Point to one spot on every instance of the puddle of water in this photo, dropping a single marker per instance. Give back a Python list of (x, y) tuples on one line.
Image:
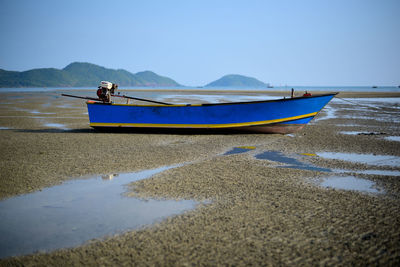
[(46, 105), (375, 101), (339, 182), (369, 172), (377, 160), (351, 125), (279, 157), (65, 105), (56, 125), (362, 133), (43, 113), (76, 211), (380, 172), (362, 105), (350, 132), (247, 147), (350, 183), (33, 111), (240, 149), (377, 117), (328, 113), (393, 138), (4, 128), (292, 162)]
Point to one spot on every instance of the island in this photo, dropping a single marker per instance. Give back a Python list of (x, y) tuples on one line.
[(81, 74), (235, 80)]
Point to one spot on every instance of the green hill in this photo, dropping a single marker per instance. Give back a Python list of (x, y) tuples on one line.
[(234, 80), (35, 78), (79, 74), (149, 78)]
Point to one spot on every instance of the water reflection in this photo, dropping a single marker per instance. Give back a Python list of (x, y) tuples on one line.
[(76, 211), (338, 182), (239, 150), (290, 162), (109, 176)]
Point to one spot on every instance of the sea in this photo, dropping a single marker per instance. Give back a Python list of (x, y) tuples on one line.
[(195, 95)]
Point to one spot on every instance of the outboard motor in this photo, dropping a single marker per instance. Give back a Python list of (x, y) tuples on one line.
[(106, 90)]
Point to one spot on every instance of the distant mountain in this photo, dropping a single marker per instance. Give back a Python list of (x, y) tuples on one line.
[(149, 78), (35, 78), (80, 74), (234, 80)]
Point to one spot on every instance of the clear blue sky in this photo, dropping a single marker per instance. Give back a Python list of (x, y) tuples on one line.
[(304, 42)]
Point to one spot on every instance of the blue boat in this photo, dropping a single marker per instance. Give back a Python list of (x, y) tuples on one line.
[(286, 115)]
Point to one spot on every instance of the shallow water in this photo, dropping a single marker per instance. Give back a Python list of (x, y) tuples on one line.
[(56, 125), (291, 162), (369, 159), (78, 210), (238, 150), (361, 133), (339, 182), (33, 111), (393, 138), (349, 183), (328, 112), (362, 108), (369, 172)]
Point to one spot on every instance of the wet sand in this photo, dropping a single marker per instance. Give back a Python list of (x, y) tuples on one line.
[(257, 213)]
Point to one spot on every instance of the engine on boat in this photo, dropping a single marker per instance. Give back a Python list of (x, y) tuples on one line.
[(106, 90)]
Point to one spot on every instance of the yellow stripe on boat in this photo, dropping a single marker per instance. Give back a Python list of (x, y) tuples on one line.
[(225, 125)]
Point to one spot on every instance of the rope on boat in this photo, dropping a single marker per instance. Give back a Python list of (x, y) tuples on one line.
[(357, 104)]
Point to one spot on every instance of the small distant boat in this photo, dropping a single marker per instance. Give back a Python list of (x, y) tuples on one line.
[(286, 115), (374, 86)]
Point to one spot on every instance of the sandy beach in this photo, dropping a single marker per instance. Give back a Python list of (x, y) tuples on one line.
[(253, 210)]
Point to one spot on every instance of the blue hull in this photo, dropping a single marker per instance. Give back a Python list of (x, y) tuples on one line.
[(270, 116)]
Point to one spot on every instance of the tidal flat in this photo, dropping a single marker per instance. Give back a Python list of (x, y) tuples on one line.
[(259, 211)]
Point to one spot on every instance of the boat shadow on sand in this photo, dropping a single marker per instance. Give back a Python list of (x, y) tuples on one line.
[(167, 131)]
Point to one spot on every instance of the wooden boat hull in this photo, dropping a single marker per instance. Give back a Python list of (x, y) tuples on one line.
[(275, 128), (269, 116)]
